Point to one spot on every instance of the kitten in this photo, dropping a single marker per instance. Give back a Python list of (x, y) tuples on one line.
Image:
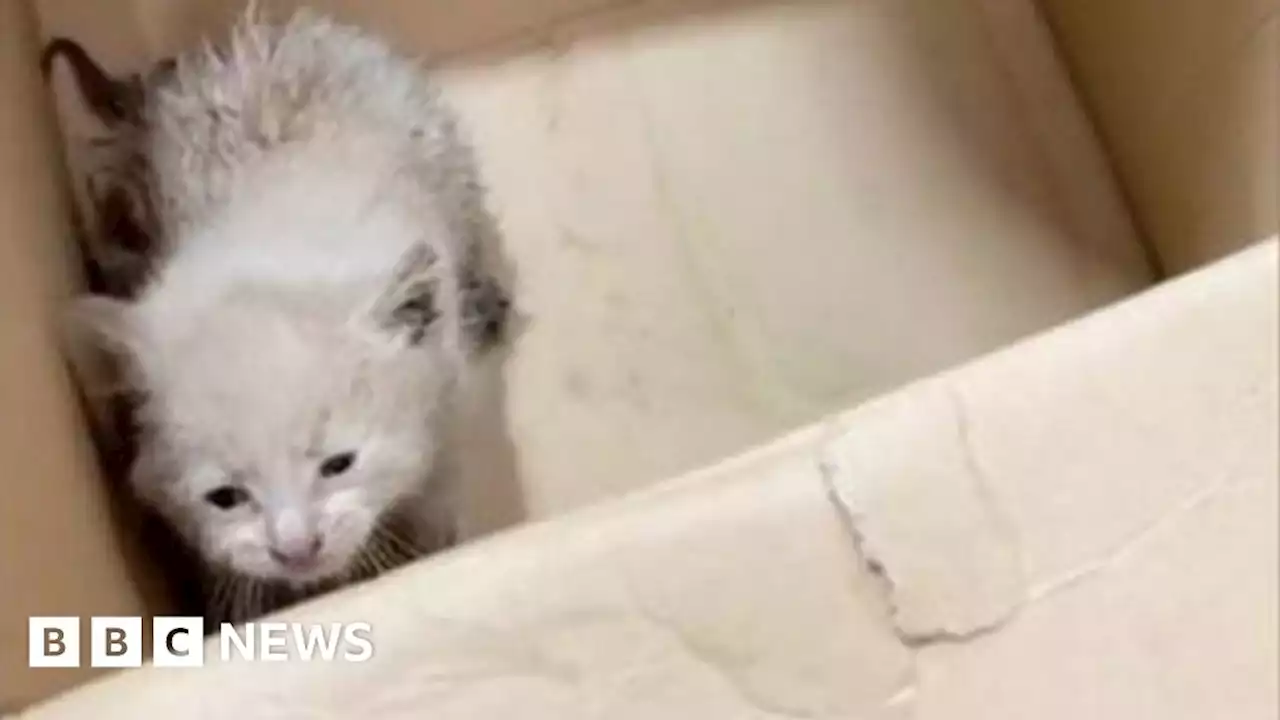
[(313, 308)]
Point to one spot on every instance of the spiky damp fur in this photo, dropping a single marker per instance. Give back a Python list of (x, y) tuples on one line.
[(316, 291)]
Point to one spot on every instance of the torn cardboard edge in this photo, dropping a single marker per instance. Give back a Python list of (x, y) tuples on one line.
[(927, 525), (931, 527)]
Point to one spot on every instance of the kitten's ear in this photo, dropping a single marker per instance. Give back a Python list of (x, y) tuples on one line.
[(407, 306)]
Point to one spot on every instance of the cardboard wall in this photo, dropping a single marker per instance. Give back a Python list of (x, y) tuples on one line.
[(1186, 94), (59, 549)]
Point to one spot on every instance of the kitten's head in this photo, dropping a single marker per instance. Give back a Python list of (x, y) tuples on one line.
[(277, 429)]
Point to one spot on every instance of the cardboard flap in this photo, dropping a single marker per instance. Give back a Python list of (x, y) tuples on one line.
[(1009, 540)]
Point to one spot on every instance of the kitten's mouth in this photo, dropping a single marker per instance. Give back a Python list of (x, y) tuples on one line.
[(320, 570), (307, 575)]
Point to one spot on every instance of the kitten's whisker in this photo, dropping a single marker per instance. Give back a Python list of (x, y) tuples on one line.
[(386, 539), (404, 545), (248, 611), (211, 588), (369, 560), (220, 596), (358, 566), (378, 554), (353, 568), (244, 600), (258, 597), (239, 589), (373, 550), (377, 558), (392, 550)]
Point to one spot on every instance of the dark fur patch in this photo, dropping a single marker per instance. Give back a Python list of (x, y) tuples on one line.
[(119, 247), (486, 310)]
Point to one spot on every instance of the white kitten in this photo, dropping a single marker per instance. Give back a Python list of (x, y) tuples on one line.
[(302, 339)]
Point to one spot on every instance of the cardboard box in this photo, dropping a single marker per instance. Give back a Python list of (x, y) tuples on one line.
[(886, 358)]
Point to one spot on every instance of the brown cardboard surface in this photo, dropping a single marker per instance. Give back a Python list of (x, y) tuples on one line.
[(1186, 94), (58, 553), (1082, 525)]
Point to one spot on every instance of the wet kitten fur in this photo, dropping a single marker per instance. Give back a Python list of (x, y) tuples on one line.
[(317, 291), (112, 233)]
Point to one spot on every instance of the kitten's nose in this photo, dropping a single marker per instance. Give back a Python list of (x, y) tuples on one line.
[(297, 552)]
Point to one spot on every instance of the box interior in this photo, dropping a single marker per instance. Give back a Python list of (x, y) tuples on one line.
[(728, 218)]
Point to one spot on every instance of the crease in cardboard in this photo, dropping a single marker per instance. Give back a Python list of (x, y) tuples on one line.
[(717, 666), (1176, 516)]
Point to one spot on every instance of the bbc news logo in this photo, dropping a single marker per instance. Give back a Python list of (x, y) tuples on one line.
[(117, 642)]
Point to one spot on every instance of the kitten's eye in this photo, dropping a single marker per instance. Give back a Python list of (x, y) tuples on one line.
[(227, 497), (337, 464)]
